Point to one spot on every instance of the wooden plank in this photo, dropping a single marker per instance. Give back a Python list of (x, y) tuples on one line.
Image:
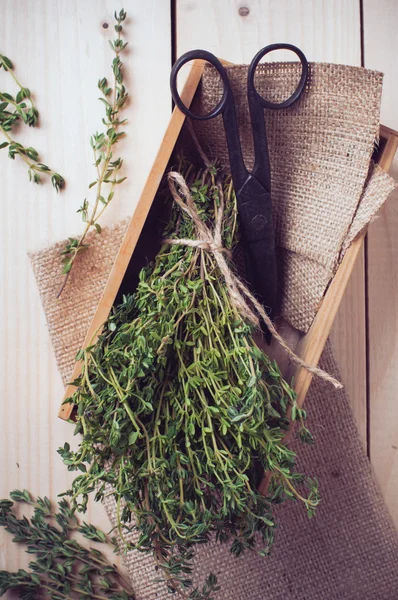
[(60, 50), (348, 337), (325, 31), (380, 22), (311, 345)]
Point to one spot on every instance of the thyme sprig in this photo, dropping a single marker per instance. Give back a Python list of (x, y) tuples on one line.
[(107, 167), (61, 567), (182, 413), (13, 110)]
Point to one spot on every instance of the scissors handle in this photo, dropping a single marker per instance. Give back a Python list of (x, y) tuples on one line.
[(253, 190), (300, 86), (213, 60), (261, 167), (226, 107)]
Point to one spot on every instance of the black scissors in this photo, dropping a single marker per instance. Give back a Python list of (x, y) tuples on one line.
[(253, 189)]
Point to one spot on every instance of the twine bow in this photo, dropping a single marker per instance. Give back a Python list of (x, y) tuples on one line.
[(210, 240)]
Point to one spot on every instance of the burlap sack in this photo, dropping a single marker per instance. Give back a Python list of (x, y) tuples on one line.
[(320, 150), (350, 549)]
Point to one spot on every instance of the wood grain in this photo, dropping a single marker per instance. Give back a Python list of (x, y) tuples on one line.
[(60, 50), (325, 31), (348, 337), (380, 24)]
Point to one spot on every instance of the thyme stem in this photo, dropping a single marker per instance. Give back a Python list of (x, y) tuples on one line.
[(107, 167), (29, 116)]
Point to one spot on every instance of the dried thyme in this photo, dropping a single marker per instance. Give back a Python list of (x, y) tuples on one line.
[(14, 110), (107, 166), (61, 567), (181, 412)]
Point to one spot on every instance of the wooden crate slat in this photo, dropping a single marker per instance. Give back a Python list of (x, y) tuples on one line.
[(136, 224)]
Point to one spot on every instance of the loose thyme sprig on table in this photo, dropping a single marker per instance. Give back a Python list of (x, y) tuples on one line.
[(181, 412), (14, 110), (102, 144), (62, 567)]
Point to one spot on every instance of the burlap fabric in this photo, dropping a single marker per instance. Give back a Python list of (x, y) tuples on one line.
[(69, 316), (350, 549), (320, 150)]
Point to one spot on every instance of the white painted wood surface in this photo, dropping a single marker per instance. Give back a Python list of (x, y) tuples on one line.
[(380, 23), (60, 50), (325, 31)]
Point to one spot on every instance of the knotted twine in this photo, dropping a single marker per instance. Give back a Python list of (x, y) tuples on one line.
[(210, 240)]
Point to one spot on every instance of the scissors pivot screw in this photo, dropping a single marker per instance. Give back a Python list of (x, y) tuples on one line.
[(259, 222)]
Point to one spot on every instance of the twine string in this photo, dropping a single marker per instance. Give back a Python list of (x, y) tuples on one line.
[(242, 299)]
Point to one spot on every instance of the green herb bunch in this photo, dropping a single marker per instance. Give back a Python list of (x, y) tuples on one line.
[(61, 567), (13, 111), (181, 412), (107, 166)]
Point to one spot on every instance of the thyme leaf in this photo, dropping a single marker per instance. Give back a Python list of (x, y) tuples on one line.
[(13, 110)]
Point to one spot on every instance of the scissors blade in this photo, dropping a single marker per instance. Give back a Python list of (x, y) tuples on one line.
[(256, 225)]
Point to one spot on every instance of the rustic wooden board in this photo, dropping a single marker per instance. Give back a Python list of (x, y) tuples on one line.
[(380, 24), (325, 31)]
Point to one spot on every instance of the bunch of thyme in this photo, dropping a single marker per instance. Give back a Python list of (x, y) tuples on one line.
[(106, 165), (62, 567), (181, 412), (14, 110)]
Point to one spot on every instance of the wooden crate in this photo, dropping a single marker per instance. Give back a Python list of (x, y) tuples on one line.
[(309, 346)]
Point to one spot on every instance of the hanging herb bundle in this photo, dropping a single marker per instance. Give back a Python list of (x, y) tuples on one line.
[(13, 111), (102, 144), (180, 411), (62, 568)]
